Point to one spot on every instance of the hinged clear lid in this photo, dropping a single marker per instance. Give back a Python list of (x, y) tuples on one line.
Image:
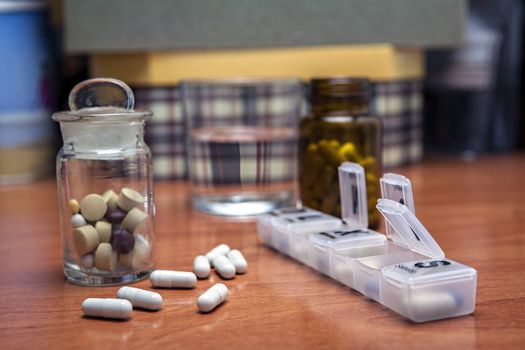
[(408, 230), (352, 186), (399, 189)]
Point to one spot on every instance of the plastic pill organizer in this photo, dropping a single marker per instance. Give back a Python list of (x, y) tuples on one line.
[(405, 270)]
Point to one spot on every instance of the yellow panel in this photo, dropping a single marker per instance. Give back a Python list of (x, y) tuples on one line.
[(379, 62)]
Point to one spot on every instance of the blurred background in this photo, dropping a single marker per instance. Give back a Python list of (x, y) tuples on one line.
[(446, 76)]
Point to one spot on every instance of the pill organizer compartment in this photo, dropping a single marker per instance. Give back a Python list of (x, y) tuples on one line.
[(412, 239), (322, 244), (354, 232), (264, 222), (343, 256), (426, 290), (290, 234)]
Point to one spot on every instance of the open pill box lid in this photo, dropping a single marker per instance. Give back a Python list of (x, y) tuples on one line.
[(408, 230), (352, 187), (399, 189)]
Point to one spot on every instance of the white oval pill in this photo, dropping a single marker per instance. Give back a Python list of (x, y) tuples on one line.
[(78, 220), (238, 260), (87, 261), (221, 249), (201, 266), (224, 267), (107, 308), (430, 305), (212, 297), (140, 298), (173, 279)]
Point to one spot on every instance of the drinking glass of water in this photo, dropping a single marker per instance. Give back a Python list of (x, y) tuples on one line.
[(242, 144)]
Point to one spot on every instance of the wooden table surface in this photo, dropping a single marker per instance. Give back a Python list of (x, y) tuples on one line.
[(475, 211)]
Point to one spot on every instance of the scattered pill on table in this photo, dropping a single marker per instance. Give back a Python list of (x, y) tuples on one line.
[(141, 298), (173, 279), (78, 220), (221, 249), (85, 239), (93, 207), (224, 267), (238, 260), (212, 297), (74, 206), (107, 308), (201, 266)]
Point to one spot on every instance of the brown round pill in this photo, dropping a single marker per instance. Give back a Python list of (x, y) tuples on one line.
[(104, 230), (129, 199), (93, 207), (134, 218), (105, 257), (122, 241), (116, 215), (85, 239)]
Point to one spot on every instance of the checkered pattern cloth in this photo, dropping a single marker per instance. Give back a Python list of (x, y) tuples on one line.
[(397, 103)]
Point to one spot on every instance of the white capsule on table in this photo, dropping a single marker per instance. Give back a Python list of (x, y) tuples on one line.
[(212, 297), (237, 260), (224, 267), (78, 220), (201, 266), (107, 308), (173, 279), (140, 298), (221, 249)]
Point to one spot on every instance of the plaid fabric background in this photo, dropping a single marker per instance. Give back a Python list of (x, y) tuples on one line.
[(165, 132), (398, 103)]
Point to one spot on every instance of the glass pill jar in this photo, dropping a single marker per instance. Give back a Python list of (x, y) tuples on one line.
[(339, 128), (105, 189)]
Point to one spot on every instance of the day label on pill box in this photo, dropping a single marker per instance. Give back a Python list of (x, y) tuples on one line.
[(305, 218), (339, 234), (287, 211), (423, 267)]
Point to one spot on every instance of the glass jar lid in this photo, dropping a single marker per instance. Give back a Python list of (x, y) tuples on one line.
[(101, 100)]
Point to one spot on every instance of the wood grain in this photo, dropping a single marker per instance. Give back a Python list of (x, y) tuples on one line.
[(474, 210)]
